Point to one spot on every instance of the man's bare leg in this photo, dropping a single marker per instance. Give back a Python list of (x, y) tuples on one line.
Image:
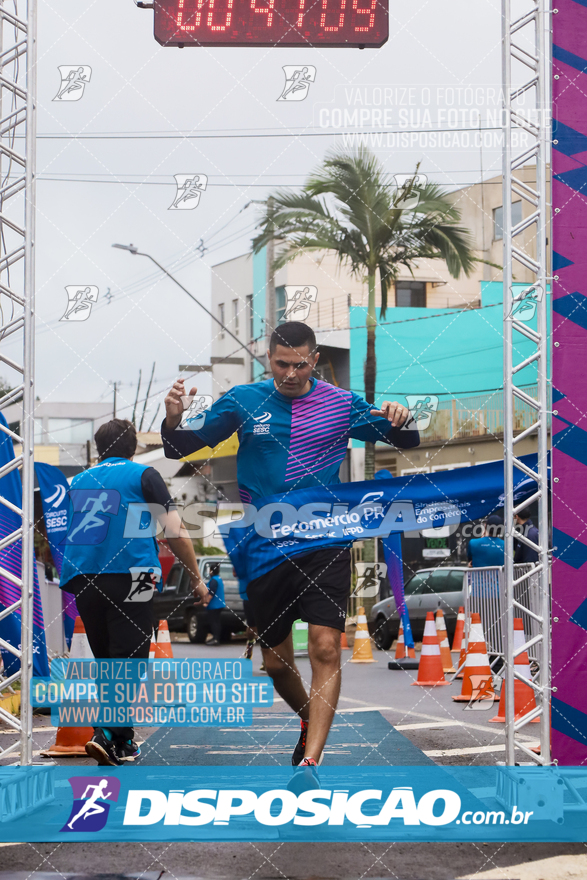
[(280, 665), (324, 651)]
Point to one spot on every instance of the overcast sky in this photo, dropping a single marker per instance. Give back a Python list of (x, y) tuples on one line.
[(139, 87)]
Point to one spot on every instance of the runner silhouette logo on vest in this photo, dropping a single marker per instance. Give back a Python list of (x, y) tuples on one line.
[(144, 582), (92, 509)]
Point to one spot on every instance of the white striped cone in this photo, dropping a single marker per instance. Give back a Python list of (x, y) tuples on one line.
[(362, 652), (430, 673), (80, 647), (163, 647), (524, 698), (457, 642), (70, 742), (477, 665), (400, 651), (443, 640)]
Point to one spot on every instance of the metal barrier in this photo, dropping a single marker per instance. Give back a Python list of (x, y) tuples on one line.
[(484, 594)]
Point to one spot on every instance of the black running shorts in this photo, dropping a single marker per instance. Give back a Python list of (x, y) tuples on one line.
[(314, 587)]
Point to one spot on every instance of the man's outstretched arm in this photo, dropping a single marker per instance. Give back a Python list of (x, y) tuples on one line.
[(220, 423)]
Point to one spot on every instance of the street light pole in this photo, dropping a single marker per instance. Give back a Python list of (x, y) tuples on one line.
[(136, 252)]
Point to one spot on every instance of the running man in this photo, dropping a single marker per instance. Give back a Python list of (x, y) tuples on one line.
[(91, 808), (91, 520), (293, 433)]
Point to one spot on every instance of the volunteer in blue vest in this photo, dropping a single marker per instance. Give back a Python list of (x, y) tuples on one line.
[(293, 432), (111, 562), (489, 548), (216, 604)]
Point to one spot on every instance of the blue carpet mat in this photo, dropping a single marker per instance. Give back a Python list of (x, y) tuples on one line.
[(356, 739)]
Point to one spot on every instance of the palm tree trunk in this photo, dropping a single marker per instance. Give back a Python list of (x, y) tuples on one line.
[(370, 372), (370, 375)]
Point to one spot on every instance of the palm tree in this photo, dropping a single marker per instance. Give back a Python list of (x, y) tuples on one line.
[(365, 221)]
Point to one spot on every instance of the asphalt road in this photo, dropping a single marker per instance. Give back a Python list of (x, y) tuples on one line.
[(443, 731)]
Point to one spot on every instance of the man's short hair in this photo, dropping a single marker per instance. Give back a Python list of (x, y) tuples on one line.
[(215, 569), (293, 334), (116, 439)]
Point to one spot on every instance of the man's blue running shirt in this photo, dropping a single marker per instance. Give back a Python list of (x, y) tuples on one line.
[(286, 443)]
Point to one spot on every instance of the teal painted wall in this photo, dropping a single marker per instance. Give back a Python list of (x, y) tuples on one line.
[(259, 284), (449, 353)]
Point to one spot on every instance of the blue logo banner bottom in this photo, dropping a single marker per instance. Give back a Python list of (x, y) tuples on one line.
[(227, 803)]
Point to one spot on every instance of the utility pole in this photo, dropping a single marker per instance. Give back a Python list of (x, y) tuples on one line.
[(115, 388)]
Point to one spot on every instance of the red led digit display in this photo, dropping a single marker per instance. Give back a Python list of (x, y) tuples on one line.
[(337, 23)]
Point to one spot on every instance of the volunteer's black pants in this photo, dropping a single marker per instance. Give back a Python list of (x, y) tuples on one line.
[(116, 628), (215, 622)]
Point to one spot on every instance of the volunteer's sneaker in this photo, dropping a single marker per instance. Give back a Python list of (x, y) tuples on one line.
[(305, 777), (248, 655), (103, 750), (128, 751), (298, 752)]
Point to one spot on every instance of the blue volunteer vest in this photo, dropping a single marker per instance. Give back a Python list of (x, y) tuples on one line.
[(217, 600), (108, 515)]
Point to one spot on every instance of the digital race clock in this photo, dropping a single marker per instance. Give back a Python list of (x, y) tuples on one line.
[(336, 23)]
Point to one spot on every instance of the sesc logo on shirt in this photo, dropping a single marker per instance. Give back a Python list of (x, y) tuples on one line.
[(262, 426)]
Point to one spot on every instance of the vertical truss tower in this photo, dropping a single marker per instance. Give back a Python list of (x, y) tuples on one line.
[(17, 297), (525, 59)]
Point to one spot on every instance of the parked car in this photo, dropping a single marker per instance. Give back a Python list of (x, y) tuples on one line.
[(428, 590), (175, 603)]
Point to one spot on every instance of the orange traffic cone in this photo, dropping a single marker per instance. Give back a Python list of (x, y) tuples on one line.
[(401, 652), (524, 699), (430, 673), (443, 640), (344, 644), (163, 648), (477, 679), (70, 742), (457, 642), (362, 652)]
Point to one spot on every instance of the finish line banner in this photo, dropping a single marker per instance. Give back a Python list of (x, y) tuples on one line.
[(262, 535), (417, 803)]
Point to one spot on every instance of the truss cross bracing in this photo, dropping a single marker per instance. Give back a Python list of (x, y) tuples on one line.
[(17, 214), (525, 81)]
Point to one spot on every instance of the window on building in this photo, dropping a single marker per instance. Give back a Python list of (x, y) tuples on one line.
[(64, 431), (251, 316), (410, 294), (221, 319), (280, 300), (235, 316), (498, 219)]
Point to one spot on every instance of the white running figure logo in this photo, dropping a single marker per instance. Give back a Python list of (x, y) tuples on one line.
[(189, 189), (73, 82), (90, 520), (91, 808), (297, 82)]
